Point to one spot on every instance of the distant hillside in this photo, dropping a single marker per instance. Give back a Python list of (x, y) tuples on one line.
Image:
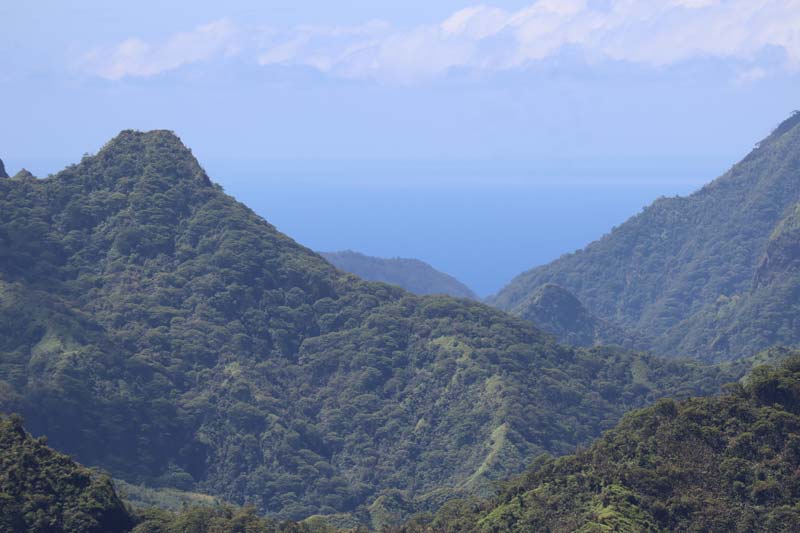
[(728, 463), (557, 311), (411, 274), (713, 275), (155, 327)]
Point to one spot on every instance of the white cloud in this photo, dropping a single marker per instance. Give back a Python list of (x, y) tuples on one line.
[(476, 22), (649, 32), (323, 48), (134, 57), (695, 4), (752, 74)]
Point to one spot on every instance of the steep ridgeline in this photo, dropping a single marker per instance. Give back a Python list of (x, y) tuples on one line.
[(153, 326), (557, 311), (411, 274), (3, 173), (713, 275), (728, 463), (43, 490)]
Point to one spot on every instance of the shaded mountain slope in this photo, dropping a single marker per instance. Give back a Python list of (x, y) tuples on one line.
[(411, 274), (667, 271), (557, 311), (155, 327), (728, 463), (43, 490)]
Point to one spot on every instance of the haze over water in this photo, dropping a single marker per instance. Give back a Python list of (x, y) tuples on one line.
[(480, 221)]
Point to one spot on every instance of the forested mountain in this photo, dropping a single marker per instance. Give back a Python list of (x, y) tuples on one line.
[(43, 490), (557, 311), (23, 174), (3, 173), (728, 463), (712, 274), (411, 274), (153, 326)]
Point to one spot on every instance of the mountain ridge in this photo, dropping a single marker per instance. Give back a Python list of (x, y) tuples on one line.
[(157, 328), (43, 490), (722, 463), (411, 274), (667, 270)]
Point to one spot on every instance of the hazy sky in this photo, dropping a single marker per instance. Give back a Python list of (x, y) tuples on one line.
[(664, 82), (410, 78)]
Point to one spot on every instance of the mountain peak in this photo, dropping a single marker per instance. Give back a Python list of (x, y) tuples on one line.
[(786, 131), (24, 174), (3, 173), (128, 136), (135, 153), (787, 125), (555, 295)]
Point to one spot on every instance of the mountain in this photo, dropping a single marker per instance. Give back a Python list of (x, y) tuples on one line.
[(411, 274), (557, 311), (43, 490), (154, 327), (23, 174), (710, 275), (727, 463), (3, 173)]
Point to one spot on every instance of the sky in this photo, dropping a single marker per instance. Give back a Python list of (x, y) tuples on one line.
[(479, 137)]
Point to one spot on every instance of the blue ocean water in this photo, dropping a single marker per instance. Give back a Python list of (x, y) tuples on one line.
[(482, 222)]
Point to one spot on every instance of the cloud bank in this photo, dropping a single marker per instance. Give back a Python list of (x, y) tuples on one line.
[(134, 57), (654, 33)]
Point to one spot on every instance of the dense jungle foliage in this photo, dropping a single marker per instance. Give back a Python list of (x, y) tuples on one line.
[(726, 463), (411, 274), (153, 326), (692, 272)]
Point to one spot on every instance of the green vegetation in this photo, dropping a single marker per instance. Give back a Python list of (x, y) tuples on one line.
[(411, 274), (727, 463), (215, 520), (153, 326), (141, 497), (559, 312), (42, 490), (713, 275)]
